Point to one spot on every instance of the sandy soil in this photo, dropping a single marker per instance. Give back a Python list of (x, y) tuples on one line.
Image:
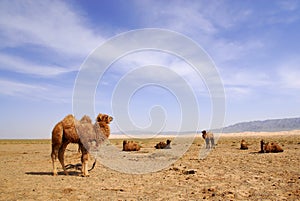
[(227, 173)]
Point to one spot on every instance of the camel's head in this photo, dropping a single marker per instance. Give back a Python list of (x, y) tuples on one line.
[(104, 118), (204, 134), (168, 141)]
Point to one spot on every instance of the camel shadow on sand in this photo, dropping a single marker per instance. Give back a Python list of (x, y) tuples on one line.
[(70, 173)]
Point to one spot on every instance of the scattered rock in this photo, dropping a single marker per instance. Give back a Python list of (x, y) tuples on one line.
[(67, 190), (174, 168), (189, 172)]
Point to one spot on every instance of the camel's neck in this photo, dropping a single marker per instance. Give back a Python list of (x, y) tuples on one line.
[(104, 128)]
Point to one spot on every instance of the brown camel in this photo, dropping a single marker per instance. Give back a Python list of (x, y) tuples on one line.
[(82, 132), (130, 146), (209, 139), (244, 145), (269, 147), (163, 145)]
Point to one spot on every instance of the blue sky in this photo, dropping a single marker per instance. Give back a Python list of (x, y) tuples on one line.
[(254, 45)]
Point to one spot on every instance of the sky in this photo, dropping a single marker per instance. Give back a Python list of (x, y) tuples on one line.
[(44, 45)]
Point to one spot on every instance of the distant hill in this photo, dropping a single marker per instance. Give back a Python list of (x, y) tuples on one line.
[(266, 125), (271, 125)]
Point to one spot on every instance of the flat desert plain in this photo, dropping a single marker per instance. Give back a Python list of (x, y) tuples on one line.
[(227, 173)]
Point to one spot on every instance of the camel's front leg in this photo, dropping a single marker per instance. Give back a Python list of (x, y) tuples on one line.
[(207, 143)]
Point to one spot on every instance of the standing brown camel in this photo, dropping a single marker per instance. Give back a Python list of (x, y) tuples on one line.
[(82, 132), (209, 139)]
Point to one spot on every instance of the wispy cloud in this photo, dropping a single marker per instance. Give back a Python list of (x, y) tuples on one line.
[(289, 5), (226, 50), (35, 92), (230, 51), (15, 88), (51, 24), (44, 39), (129, 64), (181, 16), (20, 65), (244, 83)]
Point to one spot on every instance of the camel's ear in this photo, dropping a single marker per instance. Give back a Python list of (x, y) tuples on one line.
[(99, 117)]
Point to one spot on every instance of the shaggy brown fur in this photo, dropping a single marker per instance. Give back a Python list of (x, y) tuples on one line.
[(270, 147), (130, 146), (103, 121), (82, 132), (244, 145), (163, 145), (209, 139)]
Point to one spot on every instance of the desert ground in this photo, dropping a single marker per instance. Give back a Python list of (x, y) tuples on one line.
[(227, 173)]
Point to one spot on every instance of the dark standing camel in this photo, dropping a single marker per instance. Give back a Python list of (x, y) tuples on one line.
[(209, 139)]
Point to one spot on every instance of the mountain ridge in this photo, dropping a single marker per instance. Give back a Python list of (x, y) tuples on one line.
[(269, 125)]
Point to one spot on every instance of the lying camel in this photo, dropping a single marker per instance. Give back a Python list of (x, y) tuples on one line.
[(163, 145), (82, 132), (269, 147), (209, 139), (130, 146), (244, 145)]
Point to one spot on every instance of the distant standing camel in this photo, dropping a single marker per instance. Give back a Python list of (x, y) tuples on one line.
[(209, 139)]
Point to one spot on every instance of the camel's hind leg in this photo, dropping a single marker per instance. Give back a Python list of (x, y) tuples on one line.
[(57, 136), (61, 153), (212, 141), (84, 160), (54, 155)]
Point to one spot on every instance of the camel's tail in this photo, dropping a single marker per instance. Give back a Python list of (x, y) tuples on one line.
[(78, 166), (93, 165)]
